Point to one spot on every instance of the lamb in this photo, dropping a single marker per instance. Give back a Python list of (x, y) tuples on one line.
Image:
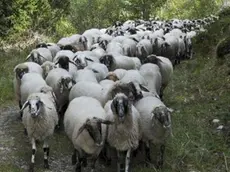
[(151, 74), (155, 124), (125, 133), (85, 125), (40, 55), (20, 70), (115, 61), (40, 118), (61, 81), (166, 69)]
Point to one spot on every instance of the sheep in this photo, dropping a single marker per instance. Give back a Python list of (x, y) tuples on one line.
[(31, 83), (61, 81), (67, 64), (101, 69), (155, 124), (114, 47), (54, 48), (47, 67), (61, 53), (151, 74), (40, 118), (84, 58), (91, 36), (85, 75), (85, 125), (97, 50), (103, 94), (143, 49), (170, 48), (125, 133), (129, 47), (20, 70), (40, 55), (166, 69), (106, 83), (133, 76), (115, 61)]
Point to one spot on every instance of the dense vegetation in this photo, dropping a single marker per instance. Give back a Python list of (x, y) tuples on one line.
[(58, 18)]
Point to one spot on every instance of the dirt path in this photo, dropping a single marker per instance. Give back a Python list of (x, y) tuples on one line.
[(15, 149)]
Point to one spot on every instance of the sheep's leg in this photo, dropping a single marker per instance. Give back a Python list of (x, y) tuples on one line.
[(127, 160), (94, 159), (119, 168), (160, 160), (33, 155), (20, 107), (78, 162), (147, 152), (105, 155), (46, 150), (74, 157)]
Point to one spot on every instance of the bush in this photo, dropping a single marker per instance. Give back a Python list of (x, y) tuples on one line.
[(223, 48)]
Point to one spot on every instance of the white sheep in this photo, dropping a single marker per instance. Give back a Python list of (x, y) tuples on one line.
[(125, 133), (152, 75), (40, 55), (116, 61), (100, 70), (61, 81), (20, 70), (85, 125), (155, 124), (85, 75), (166, 69), (40, 118)]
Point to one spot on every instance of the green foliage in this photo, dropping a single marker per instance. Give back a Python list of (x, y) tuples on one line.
[(189, 9), (64, 28)]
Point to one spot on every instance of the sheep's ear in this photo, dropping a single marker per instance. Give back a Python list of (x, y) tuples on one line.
[(99, 120), (28, 57), (113, 106), (144, 88), (80, 130), (89, 59), (24, 105), (170, 110), (94, 71), (71, 61)]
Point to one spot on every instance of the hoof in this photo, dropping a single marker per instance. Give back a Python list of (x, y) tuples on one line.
[(31, 167), (46, 164), (25, 132)]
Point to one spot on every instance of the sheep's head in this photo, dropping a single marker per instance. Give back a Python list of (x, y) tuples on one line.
[(108, 61), (35, 57), (42, 44), (151, 59), (83, 40), (20, 70), (94, 128), (46, 67), (64, 61), (121, 107), (65, 84), (103, 44), (112, 76), (35, 104), (162, 115), (69, 47)]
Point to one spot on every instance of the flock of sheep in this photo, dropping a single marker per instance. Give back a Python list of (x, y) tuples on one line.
[(105, 87)]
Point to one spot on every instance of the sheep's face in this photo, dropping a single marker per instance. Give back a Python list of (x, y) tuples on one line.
[(162, 115), (41, 45), (46, 67), (94, 128), (151, 59), (65, 84), (107, 60), (83, 40), (35, 57), (112, 76), (121, 107), (34, 104), (103, 44), (20, 72), (64, 62)]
